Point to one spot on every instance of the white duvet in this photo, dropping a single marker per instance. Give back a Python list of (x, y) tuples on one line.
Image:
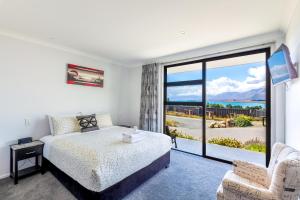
[(99, 159)]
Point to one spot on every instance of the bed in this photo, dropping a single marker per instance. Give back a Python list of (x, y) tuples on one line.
[(98, 165)]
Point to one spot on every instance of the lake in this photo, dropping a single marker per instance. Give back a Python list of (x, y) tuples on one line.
[(239, 103)]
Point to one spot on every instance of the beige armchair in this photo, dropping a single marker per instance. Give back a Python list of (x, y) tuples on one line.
[(280, 181)]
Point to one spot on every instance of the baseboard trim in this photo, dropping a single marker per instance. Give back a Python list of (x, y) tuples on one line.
[(4, 176)]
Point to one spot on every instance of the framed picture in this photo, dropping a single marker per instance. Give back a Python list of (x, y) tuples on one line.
[(84, 76)]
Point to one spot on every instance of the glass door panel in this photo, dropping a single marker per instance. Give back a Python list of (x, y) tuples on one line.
[(236, 102), (186, 123), (183, 108)]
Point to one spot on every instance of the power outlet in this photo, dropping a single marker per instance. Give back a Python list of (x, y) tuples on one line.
[(27, 122)]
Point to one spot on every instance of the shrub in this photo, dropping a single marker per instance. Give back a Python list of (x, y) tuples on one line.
[(254, 108), (255, 145), (173, 123), (254, 141), (251, 145), (229, 142), (214, 105), (242, 121), (180, 134)]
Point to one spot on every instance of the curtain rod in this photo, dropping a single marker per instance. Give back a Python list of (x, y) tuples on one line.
[(220, 53)]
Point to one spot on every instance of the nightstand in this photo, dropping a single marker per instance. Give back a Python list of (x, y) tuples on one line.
[(25, 151)]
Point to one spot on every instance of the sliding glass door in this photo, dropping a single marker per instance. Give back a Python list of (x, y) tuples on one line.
[(237, 105), (220, 107)]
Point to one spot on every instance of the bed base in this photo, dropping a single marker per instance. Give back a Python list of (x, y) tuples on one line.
[(116, 191)]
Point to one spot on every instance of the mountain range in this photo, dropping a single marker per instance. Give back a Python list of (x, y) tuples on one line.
[(251, 95)]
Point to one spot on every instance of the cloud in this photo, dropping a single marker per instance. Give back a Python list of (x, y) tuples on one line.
[(256, 74), (254, 80), (184, 91)]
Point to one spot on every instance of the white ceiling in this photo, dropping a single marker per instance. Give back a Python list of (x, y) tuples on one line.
[(132, 31)]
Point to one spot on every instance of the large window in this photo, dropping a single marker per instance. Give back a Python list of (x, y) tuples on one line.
[(220, 107)]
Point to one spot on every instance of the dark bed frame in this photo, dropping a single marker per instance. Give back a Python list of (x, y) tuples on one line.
[(114, 192)]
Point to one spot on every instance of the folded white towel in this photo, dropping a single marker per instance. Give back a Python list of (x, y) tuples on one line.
[(132, 140), (133, 136), (128, 132)]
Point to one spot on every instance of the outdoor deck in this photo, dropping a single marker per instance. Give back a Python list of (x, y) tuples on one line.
[(222, 152)]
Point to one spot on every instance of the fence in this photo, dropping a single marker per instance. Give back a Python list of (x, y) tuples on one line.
[(216, 112)]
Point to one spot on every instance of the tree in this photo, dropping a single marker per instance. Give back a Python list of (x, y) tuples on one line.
[(229, 106)]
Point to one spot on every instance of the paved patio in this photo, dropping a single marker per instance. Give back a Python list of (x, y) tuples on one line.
[(219, 151)]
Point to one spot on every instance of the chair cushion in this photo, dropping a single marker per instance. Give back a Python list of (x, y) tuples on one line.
[(230, 175), (238, 188), (251, 171)]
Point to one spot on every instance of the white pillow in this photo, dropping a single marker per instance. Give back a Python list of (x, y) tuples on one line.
[(63, 124), (104, 120)]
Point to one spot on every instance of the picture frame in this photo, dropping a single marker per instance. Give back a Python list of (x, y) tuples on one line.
[(80, 75)]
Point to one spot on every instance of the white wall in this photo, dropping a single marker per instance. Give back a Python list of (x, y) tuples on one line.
[(212, 50), (33, 84), (293, 90), (131, 97)]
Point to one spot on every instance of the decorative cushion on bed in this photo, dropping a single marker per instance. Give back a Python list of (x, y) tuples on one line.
[(88, 123), (63, 124)]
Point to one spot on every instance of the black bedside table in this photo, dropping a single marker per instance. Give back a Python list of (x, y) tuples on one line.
[(24, 151)]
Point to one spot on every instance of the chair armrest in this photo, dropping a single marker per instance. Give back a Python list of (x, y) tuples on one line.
[(252, 172), (247, 191)]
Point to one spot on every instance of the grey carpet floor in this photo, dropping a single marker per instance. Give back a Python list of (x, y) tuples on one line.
[(189, 177)]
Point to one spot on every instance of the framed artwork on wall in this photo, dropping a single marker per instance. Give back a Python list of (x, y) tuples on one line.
[(84, 76)]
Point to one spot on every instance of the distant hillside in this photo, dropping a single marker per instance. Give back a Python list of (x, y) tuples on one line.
[(252, 95)]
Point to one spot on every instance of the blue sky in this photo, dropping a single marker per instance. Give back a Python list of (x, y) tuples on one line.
[(238, 72)]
